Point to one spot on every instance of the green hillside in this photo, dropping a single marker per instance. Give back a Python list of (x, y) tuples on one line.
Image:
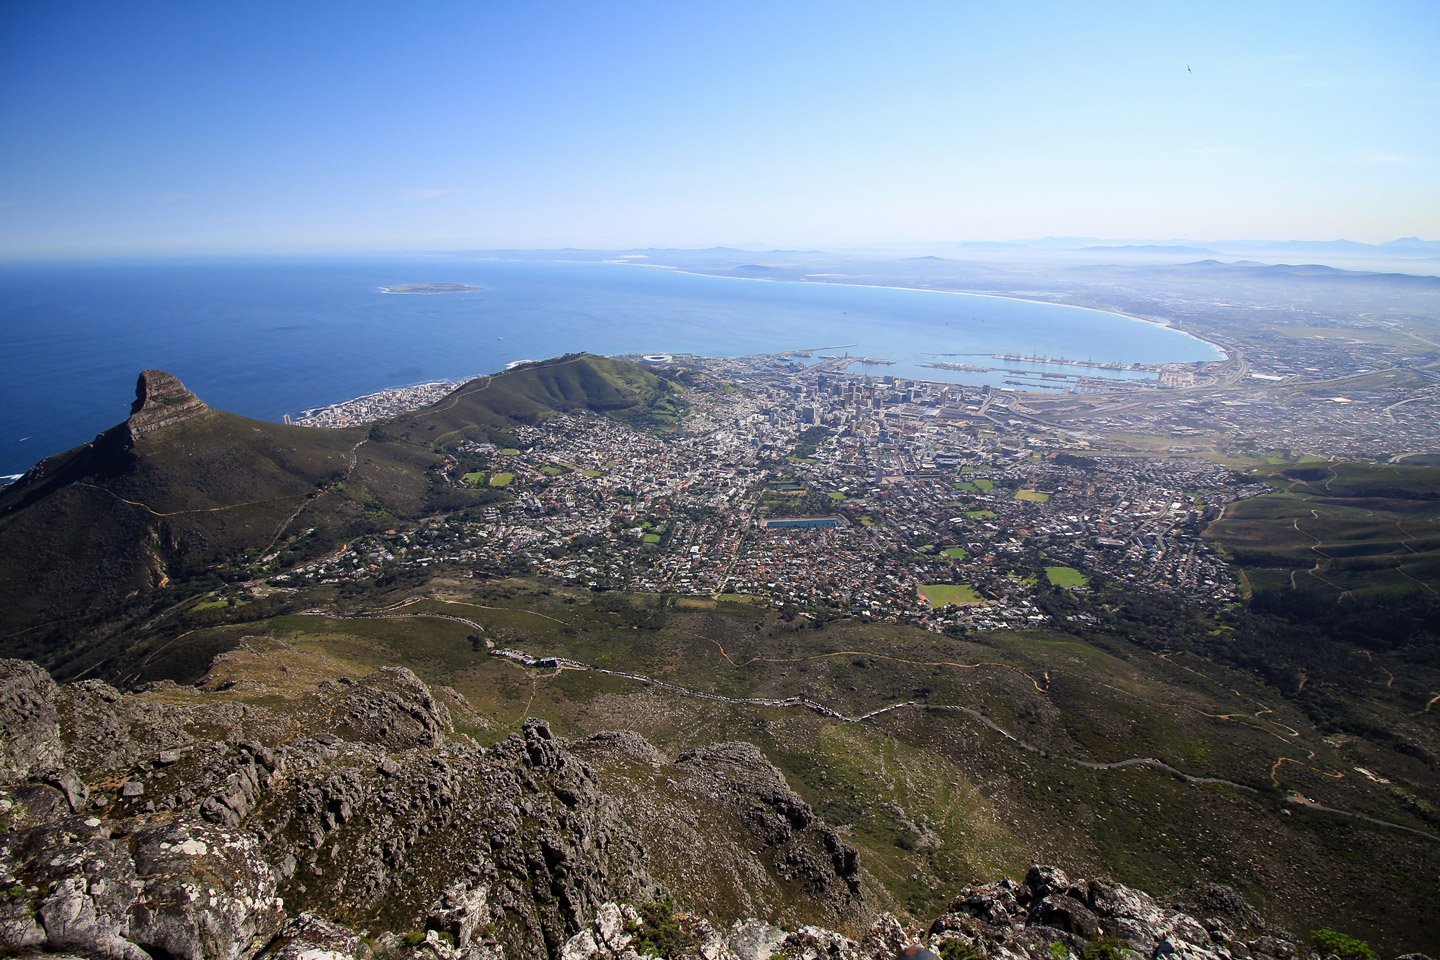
[(1160, 769), (487, 407), (1341, 563), (1339, 531), (1348, 556), (107, 523), (180, 498)]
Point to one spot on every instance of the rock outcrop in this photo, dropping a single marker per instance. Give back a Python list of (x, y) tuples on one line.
[(805, 847), (161, 400), (212, 823), (351, 820), (31, 741), (1047, 917), (722, 824)]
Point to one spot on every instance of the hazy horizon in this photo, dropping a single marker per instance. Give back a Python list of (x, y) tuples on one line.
[(330, 128), (1414, 255)]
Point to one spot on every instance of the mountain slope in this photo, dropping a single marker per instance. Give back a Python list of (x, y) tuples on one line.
[(481, 408), (169, 493), (286, 801), (156, 507)]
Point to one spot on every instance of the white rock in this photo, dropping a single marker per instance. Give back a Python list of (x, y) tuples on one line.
[(582, 946), (610, 926)]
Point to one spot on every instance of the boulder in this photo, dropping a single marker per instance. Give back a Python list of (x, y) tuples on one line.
[(31, 744)]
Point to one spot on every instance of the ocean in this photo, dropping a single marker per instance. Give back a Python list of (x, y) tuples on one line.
[(269, 337)]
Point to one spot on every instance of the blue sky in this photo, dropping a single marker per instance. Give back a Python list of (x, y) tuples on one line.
[(200, 127)]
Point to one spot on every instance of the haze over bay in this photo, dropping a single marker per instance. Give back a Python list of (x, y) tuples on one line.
[(267, 338)]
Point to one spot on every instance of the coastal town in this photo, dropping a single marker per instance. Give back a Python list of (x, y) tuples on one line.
[(375, 406), (826, 494)]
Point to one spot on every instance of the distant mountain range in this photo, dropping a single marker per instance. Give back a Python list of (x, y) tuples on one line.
[(1403, 245), (1310, 271), (1149, 248), (755, 259)]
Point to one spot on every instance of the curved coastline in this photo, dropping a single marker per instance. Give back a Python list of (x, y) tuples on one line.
[(329, 353), (1155, 322)]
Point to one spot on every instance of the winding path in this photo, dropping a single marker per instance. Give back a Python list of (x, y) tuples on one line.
[(560, 664), (306, 500), (877, 656), (179, 513)]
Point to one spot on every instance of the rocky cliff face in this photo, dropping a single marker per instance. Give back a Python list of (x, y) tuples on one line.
[(160, 400), (184, 824)]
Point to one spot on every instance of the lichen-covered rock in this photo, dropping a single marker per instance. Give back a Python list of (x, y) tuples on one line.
[(209, 892), (993, 903), (815, 943), (186, 844), (754, 939), (887, 937), (806, 848), (187, 891), (609, 935), (1044, 918), (308, 937), (1049, 913), (30, 742)]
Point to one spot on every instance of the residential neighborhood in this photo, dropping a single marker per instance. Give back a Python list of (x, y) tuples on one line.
[(825, 493)]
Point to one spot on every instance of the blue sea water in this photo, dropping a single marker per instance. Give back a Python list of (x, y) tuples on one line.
[(269, 337)]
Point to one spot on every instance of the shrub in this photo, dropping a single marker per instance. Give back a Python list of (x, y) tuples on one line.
[(659, 933), (1105, 948), (957, 949), (1341, 945)]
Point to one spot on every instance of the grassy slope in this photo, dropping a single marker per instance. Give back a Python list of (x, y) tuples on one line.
[(1343, 562), (485, 408), (1339, 529), (931, 795)]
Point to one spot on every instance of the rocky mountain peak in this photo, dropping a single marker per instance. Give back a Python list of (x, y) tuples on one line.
[(161, 400)]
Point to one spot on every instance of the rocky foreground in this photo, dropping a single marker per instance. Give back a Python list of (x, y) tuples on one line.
[(1047, 917), (284, 818)]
